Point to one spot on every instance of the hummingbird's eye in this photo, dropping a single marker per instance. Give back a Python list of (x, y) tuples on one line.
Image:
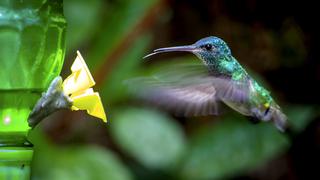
[(208, 47)]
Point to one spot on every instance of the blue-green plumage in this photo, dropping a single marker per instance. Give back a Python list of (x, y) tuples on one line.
[(225, 81)]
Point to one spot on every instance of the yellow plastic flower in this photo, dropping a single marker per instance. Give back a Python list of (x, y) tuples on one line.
[(78, 87)]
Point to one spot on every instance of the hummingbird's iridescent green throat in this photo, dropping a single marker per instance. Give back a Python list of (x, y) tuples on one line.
[(225, 81)]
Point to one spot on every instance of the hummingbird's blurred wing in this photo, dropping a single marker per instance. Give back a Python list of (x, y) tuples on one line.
[(182, 100), (188, 90)]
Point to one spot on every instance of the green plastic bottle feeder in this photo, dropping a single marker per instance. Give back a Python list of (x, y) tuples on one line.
[(32, 49)]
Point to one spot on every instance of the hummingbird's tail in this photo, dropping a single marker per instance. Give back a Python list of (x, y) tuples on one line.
[(279, 119)]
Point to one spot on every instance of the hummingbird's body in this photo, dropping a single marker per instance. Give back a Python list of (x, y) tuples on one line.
[(259, 99), (225, 81)]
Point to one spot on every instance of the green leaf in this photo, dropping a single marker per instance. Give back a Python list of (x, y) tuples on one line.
[(150, 137), (230, 146), (122, 17), (299, 116), (113, 88), (75, 162), (83, 18)]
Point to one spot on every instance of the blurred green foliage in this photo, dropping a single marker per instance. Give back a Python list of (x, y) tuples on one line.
[(151, 137), (83, 18), (110, 38), (75, 162), (230, 146), (128, 67)]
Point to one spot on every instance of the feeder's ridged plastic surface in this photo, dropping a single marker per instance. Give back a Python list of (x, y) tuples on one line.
[(32, 48)]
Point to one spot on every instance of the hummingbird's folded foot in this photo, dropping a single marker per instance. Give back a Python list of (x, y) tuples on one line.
[(262, 115)]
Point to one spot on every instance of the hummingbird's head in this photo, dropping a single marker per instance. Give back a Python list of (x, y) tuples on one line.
[(208, 49), (211, 48)]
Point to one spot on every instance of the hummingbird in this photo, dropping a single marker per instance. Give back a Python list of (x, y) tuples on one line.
[(223, 80)]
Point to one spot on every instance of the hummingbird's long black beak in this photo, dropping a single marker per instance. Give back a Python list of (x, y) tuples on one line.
[(189, 48)]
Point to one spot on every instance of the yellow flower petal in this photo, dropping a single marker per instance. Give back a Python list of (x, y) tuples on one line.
[(80, 78), (90, 101)]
